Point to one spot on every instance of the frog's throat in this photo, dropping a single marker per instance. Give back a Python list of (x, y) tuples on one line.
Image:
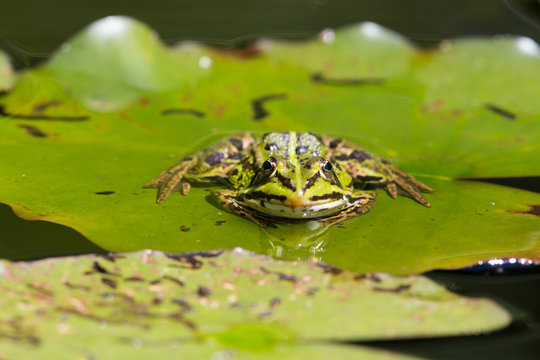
[(306, 211)]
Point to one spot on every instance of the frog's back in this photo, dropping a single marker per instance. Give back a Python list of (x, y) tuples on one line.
[(291, 146)]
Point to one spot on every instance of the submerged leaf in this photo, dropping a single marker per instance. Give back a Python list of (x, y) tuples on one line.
[(219, 301)]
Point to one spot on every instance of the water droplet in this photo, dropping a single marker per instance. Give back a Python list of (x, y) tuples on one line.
[(138, 343), (205, 62), (527, 45), (327, 36)]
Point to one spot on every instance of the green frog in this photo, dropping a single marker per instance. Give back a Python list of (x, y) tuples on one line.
[(290, 176)]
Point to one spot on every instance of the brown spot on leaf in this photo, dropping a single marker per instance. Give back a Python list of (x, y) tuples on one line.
[(275, 302), (184, 228), (398, 289), (220, 222), (3, 113), (204, 291), (191, 258), (39, 108), (329, 269), (109, 282)]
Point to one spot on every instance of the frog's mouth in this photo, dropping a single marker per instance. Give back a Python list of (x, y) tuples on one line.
[(295, 209)]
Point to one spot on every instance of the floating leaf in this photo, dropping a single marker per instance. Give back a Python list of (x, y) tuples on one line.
[(201, 303), (440, 115)]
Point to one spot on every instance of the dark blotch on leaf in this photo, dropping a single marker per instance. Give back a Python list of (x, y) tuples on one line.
[(191, 258), (193, 112), (42, 117), (108, 192), (329, 269), (534, 210), (501, 112), (39, 108), (33, 131), (321, 79), (259, 112), (275, 302), (220, 222), (184, 228)]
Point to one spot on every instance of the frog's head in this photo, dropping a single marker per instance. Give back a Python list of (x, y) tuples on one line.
[(307, 188)]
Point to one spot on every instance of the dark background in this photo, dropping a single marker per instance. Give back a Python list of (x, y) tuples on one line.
[(30, 30)]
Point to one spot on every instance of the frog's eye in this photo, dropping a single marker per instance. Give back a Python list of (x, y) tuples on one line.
[(269, 165), (326, 166)]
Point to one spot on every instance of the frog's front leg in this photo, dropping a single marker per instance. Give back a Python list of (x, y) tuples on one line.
[(360, 203), (208, 165), (367, 168), (227, 199)]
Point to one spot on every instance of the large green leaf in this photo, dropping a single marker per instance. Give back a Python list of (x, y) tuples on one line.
[(113, 108), (201, 303)]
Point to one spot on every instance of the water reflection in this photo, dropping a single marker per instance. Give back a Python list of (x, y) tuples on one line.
[(296, 241)]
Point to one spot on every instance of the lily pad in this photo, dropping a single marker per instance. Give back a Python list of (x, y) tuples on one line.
[(85, 132), (207, 302)]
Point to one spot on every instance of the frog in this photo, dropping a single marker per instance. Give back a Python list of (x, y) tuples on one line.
[(287, 177)]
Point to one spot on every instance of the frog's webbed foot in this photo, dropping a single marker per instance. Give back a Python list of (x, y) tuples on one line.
[(407, 184), (227, 199), (171, 180), (361, 203)]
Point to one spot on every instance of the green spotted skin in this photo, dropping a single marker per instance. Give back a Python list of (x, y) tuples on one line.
[(289, 177)]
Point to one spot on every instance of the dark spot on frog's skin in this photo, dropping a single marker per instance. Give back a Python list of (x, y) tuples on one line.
[(398, 289), (234, 172), (302, 149), (359, 155), (333, 195), (341, 157), (263, 195), (237, 156), (259, 112), (134, 279), (311, 181), (204, 291), (286, 182), (42, 117), (33, 131), (271, 146), (321, 79), (237, 143), (220, 222), (193, 112), (184, 228), (39, 108), (109, 282), (500, 111), (368, 178), (334, 143), (107, 192), (214, 158)]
